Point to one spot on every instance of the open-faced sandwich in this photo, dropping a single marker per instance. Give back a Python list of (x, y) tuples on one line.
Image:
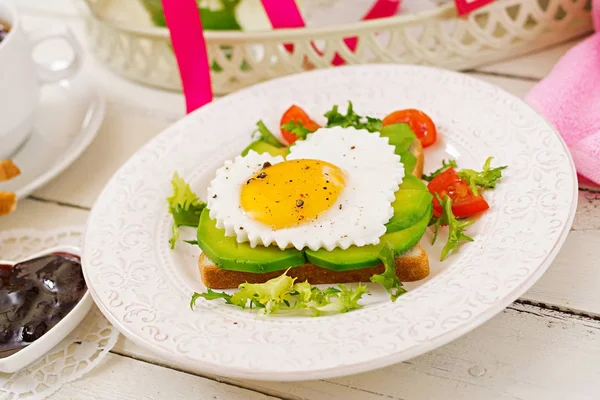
[(8, 200), (338, 204)]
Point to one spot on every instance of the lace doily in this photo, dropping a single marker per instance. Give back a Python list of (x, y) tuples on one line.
[(79, 352)]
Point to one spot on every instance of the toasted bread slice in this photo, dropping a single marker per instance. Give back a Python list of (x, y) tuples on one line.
[(8, 170), (8, 203), (410, 266)]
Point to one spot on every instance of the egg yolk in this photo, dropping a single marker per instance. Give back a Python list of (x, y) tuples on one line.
[(291, 192)]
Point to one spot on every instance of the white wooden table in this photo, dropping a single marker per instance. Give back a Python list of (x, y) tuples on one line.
[(544, 346)]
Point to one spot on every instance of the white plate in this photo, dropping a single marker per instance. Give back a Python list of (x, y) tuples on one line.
[(69, 117), (58, 332), (144, 288)]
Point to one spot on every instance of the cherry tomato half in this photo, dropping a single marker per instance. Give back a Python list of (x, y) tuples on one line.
[(418, 121), (464, 201), (295, 113)]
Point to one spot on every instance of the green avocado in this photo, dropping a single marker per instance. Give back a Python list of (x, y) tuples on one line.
[(260, 146), (401, 137), (409, 160), (411, 182), (228, 254), (367, 256), (409, 205)]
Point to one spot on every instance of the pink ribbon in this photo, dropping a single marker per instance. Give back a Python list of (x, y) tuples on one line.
[(285, 14), (187, 38), (466, 6)]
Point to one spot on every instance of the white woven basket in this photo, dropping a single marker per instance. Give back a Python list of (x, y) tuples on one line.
[(503, 29)]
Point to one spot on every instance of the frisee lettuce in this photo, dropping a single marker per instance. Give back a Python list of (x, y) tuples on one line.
[(482, 179), (389, 280), (351, 119), (283, 294), (346, 300), (210, 295), (184, 206), (456, 228)]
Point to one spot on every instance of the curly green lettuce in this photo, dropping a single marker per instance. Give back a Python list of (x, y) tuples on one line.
[(351, 119), (210, 295), (482, 179), (346, 300), (388, 279), (456, 228), (184, 206), (283, 294)]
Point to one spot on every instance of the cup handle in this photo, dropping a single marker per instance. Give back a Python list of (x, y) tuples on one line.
[(47, 73)]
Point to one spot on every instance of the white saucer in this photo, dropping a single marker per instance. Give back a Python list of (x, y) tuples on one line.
[(69, 117)]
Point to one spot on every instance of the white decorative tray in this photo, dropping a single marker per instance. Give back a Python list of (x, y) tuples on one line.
[(123, 37)]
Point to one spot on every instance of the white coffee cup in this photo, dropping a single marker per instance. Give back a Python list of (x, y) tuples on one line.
[(21, 77)]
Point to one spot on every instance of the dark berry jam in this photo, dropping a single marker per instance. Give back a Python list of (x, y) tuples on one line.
[(34, 296)]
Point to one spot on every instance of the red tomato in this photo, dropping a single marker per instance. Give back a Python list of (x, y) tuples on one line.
[(295, 113), (419, 122), (464, 201)]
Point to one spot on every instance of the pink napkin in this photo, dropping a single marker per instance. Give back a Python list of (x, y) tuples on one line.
[(569, 97)]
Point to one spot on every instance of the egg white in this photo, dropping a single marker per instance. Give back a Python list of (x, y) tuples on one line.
[(373, 174)]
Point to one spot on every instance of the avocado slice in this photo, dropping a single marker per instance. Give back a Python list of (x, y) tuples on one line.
[(367, 256), (411, 182), (409, 205), (409, 160), (400, 136), (260, 146), (228, 254)]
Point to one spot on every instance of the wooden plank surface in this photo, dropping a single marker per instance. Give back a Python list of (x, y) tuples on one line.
[(525, 352), (36, 214), (122, 378), (532, 66), (571, 282)]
